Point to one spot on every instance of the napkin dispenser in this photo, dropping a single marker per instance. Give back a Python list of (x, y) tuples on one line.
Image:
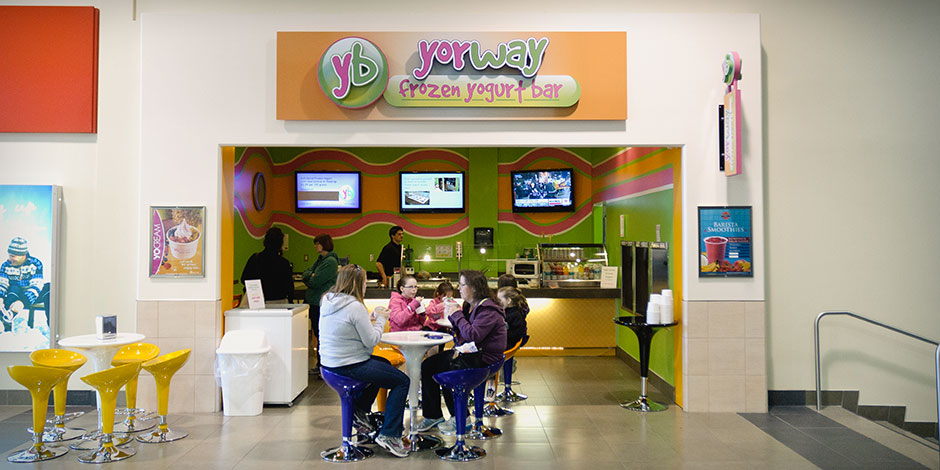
[(106, 326)]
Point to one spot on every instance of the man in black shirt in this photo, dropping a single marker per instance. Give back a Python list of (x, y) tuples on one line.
[(274, 271), (390, 257)]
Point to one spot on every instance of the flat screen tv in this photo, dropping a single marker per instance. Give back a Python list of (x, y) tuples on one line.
[(432, 191), (328, 191), (543, 190)]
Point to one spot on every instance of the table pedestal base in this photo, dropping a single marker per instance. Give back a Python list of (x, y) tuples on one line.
[(418, 442)]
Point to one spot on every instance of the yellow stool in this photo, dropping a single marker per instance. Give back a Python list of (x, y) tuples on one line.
[(108, 383), (397, 360), (39, 381), (162, 370), (136, 353), (492, 409), (68, 361)]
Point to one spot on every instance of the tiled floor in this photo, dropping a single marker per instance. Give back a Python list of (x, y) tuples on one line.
[(570, 421)]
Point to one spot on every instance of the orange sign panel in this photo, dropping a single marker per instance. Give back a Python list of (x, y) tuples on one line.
[(468, 76), (49, 63)]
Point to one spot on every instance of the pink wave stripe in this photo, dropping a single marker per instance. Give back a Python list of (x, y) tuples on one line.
[(627, 156), (558, 227), (332, 154), (645, 183), (547, 152), (356, 225)]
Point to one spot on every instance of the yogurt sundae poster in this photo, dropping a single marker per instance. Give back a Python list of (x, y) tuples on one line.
[(176, 247), (725, 242)]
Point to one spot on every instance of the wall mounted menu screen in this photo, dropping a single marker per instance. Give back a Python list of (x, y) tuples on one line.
[(328, 191), (542, 191), (432, 192)]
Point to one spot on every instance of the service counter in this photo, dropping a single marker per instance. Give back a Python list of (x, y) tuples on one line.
[(562, 322)]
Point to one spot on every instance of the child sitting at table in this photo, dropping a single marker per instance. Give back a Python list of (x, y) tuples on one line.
[(407, 312), (435, 309), (514, 303)]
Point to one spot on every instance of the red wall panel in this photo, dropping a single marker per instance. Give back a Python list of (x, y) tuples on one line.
[(48, 69)]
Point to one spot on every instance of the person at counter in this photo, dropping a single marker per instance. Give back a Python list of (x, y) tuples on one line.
[(482, 322), (348, 335), (274, 271), (390, 257), (407, 311), (319, 278)]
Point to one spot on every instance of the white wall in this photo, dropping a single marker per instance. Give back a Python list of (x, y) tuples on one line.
[(850, 110)]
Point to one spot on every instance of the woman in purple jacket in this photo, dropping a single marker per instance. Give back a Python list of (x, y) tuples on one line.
[(480, 321)]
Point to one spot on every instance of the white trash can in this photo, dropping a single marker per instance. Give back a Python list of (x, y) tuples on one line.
[(240, 366)]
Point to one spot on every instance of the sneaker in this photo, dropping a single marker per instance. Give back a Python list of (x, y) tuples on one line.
[(393, 445), (449, 428), (427, 424)]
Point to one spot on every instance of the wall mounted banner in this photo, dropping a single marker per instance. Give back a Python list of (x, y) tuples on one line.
[(505, 75), (725, 242), (177, 247), (29, 227)]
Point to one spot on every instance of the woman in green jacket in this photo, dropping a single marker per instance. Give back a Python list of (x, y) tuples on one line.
[(319, 278)]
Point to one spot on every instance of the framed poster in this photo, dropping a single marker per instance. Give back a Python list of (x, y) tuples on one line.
[(724, 239), (177, 245), (29, 231)]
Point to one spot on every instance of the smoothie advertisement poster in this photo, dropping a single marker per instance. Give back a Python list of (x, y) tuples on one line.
[(724, 239), (176, 239), (27, 236)]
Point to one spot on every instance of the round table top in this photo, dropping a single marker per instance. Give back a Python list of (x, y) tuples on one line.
[(92, 341), (416, 338)]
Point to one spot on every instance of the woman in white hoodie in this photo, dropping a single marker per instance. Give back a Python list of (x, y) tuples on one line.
[(347, 337)]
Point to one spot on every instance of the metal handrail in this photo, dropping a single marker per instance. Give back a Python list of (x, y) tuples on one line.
[(876, 323)]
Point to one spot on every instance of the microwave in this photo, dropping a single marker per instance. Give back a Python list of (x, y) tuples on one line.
[(523, 268)]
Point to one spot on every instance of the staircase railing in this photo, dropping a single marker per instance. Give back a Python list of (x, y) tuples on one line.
[(888, 327)]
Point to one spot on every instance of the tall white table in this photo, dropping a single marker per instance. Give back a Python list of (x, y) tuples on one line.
[(101, 351), (413, 345)]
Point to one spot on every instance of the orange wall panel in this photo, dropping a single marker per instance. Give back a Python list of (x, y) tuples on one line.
[(48, 69)]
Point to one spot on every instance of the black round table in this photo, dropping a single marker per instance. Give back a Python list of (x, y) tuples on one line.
[(644, 334)]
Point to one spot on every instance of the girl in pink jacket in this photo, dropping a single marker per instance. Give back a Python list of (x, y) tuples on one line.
[(435, 310), (407, 312)]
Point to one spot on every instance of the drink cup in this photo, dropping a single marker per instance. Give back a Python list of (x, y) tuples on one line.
[(653, 313), (715, 248), (667, 294)]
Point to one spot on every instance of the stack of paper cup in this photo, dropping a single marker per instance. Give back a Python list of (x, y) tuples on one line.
[(666, 307), (653, 315)]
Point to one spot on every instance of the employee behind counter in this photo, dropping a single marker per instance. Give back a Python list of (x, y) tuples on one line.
[(390, 257)]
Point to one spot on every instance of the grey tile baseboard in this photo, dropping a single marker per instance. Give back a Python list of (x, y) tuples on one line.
[(848, 399), (653, 379), (73, 398)]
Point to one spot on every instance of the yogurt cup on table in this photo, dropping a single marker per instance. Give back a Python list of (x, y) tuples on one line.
[(183, 239)]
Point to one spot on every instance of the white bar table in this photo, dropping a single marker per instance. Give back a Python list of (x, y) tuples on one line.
[(413, 345), (100, 351)]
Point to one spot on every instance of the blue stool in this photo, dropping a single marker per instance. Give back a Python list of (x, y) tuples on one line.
[(348, 389), (461, 382), (481, 431)]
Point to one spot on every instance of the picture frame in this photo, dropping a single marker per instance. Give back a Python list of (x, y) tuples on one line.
[(725, 241), (173, 254)]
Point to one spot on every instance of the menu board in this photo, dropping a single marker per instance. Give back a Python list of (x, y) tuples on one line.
[(177, 244), (725, 245)]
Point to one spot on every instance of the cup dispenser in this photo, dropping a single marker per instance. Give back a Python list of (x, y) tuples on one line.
[(644, 270)]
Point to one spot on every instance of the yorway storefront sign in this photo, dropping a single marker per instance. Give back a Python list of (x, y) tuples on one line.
[(376, 76)]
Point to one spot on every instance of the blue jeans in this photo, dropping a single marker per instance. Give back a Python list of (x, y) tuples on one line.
[(380, 374)]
